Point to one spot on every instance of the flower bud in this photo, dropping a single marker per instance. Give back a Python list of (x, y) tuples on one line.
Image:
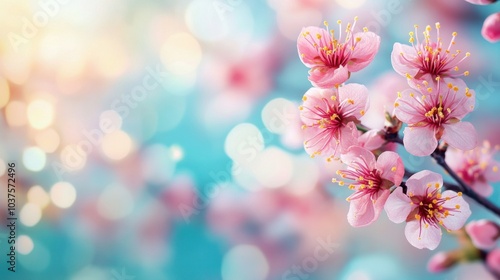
[(483, 233), (442, 261), (493, 261)]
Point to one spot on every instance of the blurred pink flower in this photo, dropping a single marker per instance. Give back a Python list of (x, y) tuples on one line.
[(424, 209), (428, 59), (483, 233), (481, 2), (476, 167), (440, 262), (332, 60), (330, 117), (372, 139), (491, 28), (433, 112), (373, 179), (493, 260)]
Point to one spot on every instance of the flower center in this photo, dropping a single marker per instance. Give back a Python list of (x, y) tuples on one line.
[(432, 58)]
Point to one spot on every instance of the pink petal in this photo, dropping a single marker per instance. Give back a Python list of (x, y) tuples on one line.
[(493, 260), (354, 100), (492, 172), (371, 140), (348, 137), (305, 45), (481, 2), (363, 211), (315, 142), (462, 101), (454, 158), (391, 167), (422, 237), (314, 97), (420, 140), (440, 262), (456, 219), (483, 233), (491, 28), (398, 206), (417, 183), (408, 109), (364, 52), (400, 64), (359, 154), (327, 77), (482, 188), (461, 135)]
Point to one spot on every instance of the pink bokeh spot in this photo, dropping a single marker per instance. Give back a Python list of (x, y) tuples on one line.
[(491, 28)]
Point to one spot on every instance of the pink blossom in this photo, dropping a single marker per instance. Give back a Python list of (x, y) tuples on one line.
[(483, 233), (491, 28), (440, 262), (428, 59), (425, 208), (372, 180), (330, 117), (332, 60), (372, 139), (476, 167), (493, 261), (481, 2), (433, 112)]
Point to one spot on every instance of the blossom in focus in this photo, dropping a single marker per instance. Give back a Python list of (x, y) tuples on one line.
[(483, 233), (332, 59), (427, 59), (372, 139), (491, 28), (433, 112), (476, 167), (372, 180), (330, 117), (425, 209)]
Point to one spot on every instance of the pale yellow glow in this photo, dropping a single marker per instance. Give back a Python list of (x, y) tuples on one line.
[(181, 53), (116, 145), (30, 214), (63, 194), (15, 113), (40, 114), (37, 195), (24, 244), (48, 140)]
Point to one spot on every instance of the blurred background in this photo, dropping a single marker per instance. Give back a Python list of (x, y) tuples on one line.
[(161, 139)]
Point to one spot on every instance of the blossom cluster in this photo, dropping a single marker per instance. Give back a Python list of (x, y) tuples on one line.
[(432, 108)]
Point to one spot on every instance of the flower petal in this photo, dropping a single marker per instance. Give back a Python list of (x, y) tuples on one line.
[(403, 65), (491, 28), (456, 219), (391, 167), (418, 183), (482, 188), (461, 135), (348, 137), (308, 53), (328, 77), (461, 102), (371, 140), (320, 141), (360, 155), (421, 236), (316, 98), (420, 140), (364, 51), (483, 233), (408, 107), (492, 171), (398, 206), (353, 100), (361, 211)]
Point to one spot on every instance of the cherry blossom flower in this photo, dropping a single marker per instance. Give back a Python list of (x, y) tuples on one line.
[(425, 209), (330, 117), (372, 139), (483, 233), (372, 180), (493, 261), (433, 112), (491, 28), (428, 59), (332, 59), (476, 167)]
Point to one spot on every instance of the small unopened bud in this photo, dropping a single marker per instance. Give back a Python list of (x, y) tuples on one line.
[(493, 261), (442, 261)]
